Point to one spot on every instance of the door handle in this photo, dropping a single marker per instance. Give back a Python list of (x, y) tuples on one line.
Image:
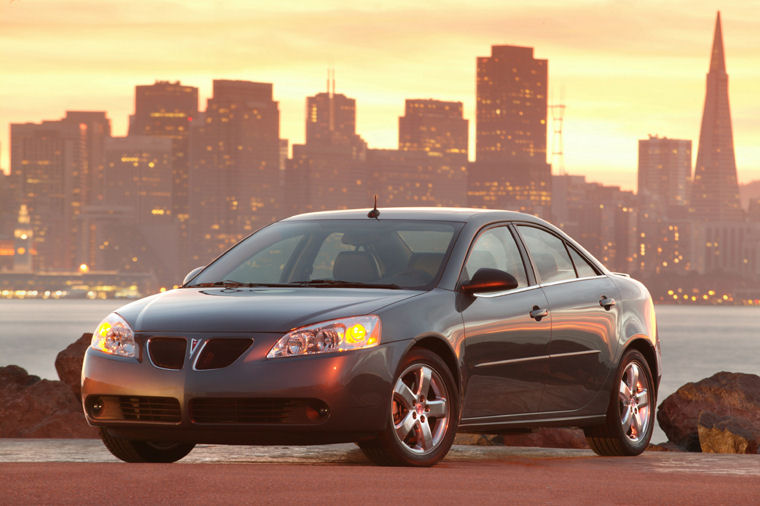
[(606, 302), (539, 312)]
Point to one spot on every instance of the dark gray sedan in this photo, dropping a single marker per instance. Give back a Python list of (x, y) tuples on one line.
[(394, 330)]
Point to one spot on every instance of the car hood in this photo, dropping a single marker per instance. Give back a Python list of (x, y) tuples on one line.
[(252, 309)]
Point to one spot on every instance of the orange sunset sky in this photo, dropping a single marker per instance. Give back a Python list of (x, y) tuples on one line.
[(623, 69)]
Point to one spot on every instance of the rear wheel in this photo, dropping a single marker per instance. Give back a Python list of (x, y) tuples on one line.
[(130, 450), (630, 416), (424, 414)]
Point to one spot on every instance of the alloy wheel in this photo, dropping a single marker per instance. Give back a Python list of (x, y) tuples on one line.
[(633, 396), (420, 409)]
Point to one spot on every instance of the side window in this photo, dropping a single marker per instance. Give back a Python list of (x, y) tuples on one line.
[(496, 249), (582, 267), (548, 253)]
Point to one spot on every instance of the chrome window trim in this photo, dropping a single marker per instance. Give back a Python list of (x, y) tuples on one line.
[(488, 295), (561, 281)]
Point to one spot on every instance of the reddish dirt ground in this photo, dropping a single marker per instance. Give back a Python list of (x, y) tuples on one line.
[(511, 479)]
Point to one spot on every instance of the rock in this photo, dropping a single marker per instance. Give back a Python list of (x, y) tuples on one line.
[(543, 438), (664, 447), (547, 438), (31, 407), (68, 363), (725, 396), (473, 439), (728, 435)]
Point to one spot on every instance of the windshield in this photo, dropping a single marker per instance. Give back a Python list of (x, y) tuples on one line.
[(337, 253)]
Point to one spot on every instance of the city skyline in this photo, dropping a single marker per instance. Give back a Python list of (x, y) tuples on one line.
[(654, 62)]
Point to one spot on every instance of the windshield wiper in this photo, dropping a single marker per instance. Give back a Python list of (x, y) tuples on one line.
[(230, 283), (345, 284)]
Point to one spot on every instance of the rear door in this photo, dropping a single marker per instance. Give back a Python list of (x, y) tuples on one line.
[(583, 318)]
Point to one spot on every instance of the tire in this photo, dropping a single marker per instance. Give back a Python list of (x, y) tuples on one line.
[(424, 414), (630, 415), (130, 450)]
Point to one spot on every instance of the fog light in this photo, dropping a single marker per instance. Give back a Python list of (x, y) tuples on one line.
[(323, 412), (96, 407)]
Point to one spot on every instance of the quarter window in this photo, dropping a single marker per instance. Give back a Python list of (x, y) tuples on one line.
[(549, 255), (496, 249), (582, 267)]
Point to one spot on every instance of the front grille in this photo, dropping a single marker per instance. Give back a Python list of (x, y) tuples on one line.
[(167, 352), (221, 352), (253, 411), (150, 409)]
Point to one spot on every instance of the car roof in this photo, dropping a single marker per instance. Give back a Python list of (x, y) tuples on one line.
[(457, 214)]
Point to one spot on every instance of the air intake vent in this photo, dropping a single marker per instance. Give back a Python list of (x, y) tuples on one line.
[(257, 411), (150, 409), (167, 352), (221, 352)]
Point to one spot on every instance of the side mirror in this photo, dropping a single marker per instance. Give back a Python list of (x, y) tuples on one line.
[(489, 280), (192, 274)]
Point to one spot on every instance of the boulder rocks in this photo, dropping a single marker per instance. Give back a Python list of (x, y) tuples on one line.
[(718, 414), (728, 435), (31, 407), (68, 363), (543, 438)]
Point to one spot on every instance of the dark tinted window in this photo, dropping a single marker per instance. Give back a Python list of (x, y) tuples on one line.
[(549, 255), (495, 248)]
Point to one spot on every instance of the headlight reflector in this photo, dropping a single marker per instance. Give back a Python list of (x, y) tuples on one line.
[(115, 337), (344, 334)]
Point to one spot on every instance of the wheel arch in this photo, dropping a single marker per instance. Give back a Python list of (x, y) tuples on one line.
[(644, 347), (441, 347)]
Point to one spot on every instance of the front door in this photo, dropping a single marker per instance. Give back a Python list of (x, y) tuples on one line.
[(506, 335)]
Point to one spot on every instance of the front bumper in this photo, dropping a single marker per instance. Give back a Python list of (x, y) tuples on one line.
[(341, 397)]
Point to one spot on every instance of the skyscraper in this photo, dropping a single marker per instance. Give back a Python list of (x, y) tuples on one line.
[(715, 191), (51, 162), (664, 173), (330, 117), (234, 167), (433, 126), (431, 165), (510, 168), (328, 172), (166, 109)]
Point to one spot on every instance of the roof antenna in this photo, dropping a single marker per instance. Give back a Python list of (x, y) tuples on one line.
[(375, 212)]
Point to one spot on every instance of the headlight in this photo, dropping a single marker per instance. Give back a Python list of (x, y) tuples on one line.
[(115, 337), (343, 334)]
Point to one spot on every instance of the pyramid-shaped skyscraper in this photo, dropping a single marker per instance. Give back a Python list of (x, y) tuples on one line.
[(715, 192)]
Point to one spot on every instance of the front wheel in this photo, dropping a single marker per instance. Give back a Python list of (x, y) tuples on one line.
[(630, 416), (130, 450), (424, 414)]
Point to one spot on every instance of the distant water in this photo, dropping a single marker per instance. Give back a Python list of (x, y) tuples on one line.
[(697, 341)]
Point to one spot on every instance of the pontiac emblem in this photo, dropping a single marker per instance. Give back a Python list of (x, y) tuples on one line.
[(194, 343)]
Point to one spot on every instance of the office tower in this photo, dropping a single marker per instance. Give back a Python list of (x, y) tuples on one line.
[(664, 173), (432, 154), (167, 109), (328, 171), (330, 117), (602, 218), (135, 231), (138, 176), (50, 161), (715, 191), (98, 130), (510, 168), (234, 167)]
